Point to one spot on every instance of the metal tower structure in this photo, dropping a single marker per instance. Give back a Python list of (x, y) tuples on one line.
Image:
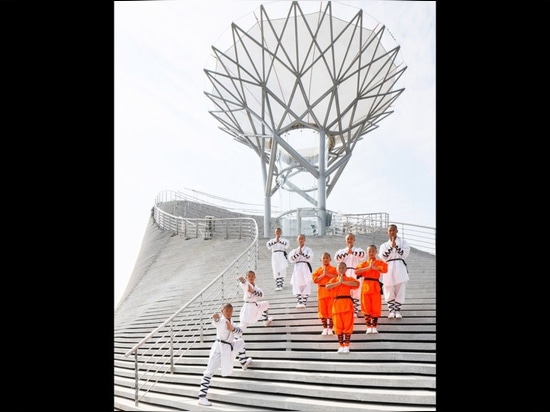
[(305, 70)]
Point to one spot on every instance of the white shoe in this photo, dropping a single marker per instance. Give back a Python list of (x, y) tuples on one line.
[(268, 321), (340, 349), (355, 315), (278, 288), (245, 365), (325, 332), (330, 332), (346, 349), (369, 330), (204, 402), (373, 330), (398, 315), (391, 315), (300, 306)]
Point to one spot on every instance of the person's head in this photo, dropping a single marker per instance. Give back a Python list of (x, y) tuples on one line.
[(371, 251), (350, 239), (325, 258), (392, 231), (278, 231), (227, 310), (251, 276), (341, 268), (301, 239)]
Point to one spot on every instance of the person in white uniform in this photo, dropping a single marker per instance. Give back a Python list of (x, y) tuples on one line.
[(253, 308), (301, 275), (279, 262), (227, 346), (394, 252)]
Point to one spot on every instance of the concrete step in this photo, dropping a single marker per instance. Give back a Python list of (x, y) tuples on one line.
[(395, 369)]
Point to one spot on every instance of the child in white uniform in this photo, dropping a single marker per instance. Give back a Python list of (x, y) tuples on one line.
[(279, 262), (301, 275), (227, 346)]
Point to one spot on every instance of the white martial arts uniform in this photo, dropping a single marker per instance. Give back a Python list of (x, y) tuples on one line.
[(227, 346), (279, 262), (225, 349), (397, 275), (252, 309), (301, 275)]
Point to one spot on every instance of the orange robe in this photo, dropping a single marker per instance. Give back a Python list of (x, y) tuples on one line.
[(371, 298), (325, 296), (342, 307)]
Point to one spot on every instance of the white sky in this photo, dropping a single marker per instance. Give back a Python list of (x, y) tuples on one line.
[(165, 139)]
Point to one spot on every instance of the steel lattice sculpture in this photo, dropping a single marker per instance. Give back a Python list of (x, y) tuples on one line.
[(305, 70)]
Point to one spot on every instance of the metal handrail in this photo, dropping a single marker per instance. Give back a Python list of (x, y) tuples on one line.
[(420, 237), (155, 355), (192, 195)]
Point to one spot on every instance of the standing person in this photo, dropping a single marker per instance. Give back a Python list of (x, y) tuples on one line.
[(371, 291), (228, 345), (301, 275), (279, 262), (342, 307), (394, 252), (253, 309), (321, 276), (351, 256)]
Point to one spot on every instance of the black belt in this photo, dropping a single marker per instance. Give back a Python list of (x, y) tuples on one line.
[(256, 303), (377, 280), (308, 264), (284, 251), (223, 341), (389, 260), (347, 267), (342, 297)]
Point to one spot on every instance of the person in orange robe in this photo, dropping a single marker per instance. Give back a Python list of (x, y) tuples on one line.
[(352, 255), (342, 307), (371, 292), (321, 277)]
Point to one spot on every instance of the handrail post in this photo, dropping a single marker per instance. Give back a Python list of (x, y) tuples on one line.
[(172, 347), (223, 287), (201, 308), (136, 382)]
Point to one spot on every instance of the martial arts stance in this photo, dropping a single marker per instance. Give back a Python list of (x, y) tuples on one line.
[(371, 292), (279, 262), (325, 297), (253, 309), (226, 348), (394, 252), (351, 256), (342, 308), (301, 275)]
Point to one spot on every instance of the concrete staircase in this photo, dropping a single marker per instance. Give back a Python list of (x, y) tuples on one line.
[(294, 366)]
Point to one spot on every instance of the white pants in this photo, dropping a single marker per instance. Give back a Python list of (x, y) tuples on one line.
[(395, 292)]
